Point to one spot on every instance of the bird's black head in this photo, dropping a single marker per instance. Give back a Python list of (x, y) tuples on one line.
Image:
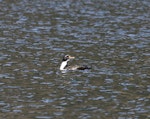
[(67, 58)]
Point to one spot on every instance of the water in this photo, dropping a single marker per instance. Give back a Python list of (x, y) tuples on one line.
[(112, 36)]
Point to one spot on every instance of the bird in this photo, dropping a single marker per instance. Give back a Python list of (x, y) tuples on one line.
[(64, 65)]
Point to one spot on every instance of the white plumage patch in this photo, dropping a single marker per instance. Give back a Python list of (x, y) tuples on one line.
[(63, 65)]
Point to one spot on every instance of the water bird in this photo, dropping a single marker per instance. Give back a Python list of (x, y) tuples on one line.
[(64, 65)]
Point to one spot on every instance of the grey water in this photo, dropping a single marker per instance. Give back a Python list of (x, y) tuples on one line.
[(111, 36)]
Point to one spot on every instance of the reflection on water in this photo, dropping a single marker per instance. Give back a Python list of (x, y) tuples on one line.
[(111, 36)]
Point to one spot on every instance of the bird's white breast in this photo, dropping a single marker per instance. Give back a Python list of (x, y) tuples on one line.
[(63, 65)]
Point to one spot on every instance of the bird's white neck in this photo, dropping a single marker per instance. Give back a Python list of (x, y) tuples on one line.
[(63, 65)]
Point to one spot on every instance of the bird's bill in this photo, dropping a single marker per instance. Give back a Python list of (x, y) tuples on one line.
[(70, 57)]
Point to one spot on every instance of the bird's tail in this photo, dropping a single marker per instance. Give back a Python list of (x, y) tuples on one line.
[(83, 67)]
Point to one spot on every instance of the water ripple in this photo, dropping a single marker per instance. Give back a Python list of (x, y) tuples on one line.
[(111, 37)]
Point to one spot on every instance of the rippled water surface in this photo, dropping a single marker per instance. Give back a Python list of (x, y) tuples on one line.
[(112, 36)]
